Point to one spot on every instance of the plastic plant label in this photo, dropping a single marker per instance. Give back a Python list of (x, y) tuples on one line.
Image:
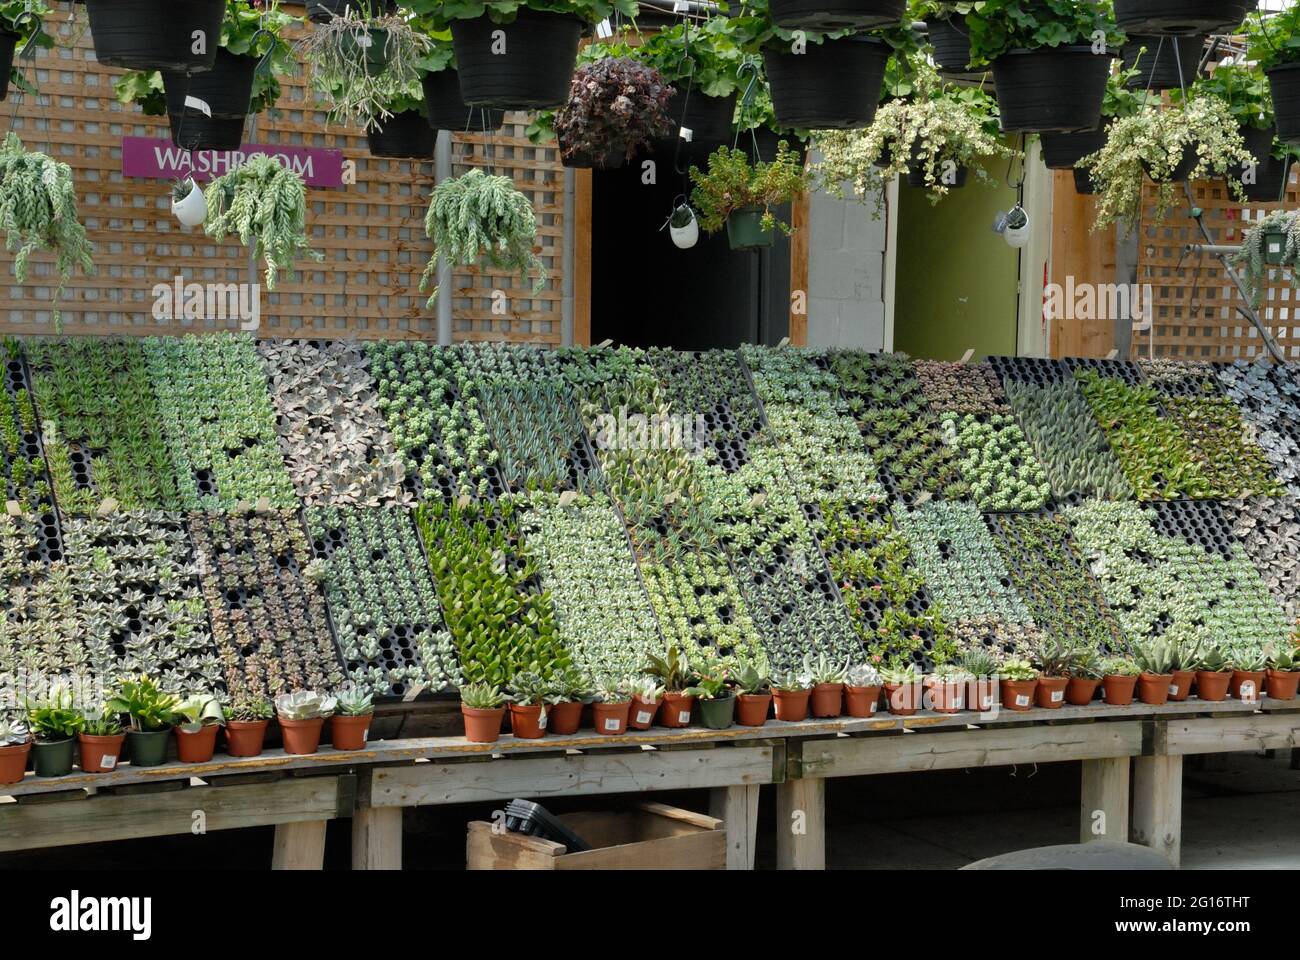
[(612, 724), (108, 761), (414, 691), (643, 716), (541, 720), (683, 716), (1248, 690), (1058, 696), (873, 706), (1173, 689), (686, 133), (1022, 700), (604, 30)]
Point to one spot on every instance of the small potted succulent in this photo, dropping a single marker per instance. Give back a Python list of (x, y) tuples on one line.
[(982, 691), (1019, 681), (196, 720), (1155, 659), (1119, 681), (647, 696), (151, 714), (611, 708), (1055, 661), (483, 707), (54, 723), (1085, 679), (189, 205), (1182, 669), (716, 698), (1249, 668), (903, 692), (1283, 675), (828, 686), (528, 693), (569, 693), (100, 743), (753, 695), (1213, 676), (862, 684), (247, 718), (350, 724), (15, 745), (302, 715), (675, 673), (739, 196), (792, 690), (946, 687)]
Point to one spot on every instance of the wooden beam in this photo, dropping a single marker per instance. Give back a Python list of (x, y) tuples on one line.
[(1103, 805), (1158, 804), (737, 808), (801, 824), (1260, 731), (582, 223), (1088, 257), (377, 838), (801, 221), (299, 846)]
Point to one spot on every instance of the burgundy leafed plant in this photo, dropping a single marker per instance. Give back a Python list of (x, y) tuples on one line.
[(615, 104)]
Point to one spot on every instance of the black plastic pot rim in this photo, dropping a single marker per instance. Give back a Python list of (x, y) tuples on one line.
[(1046, 51), (778, 46), (1283, 67)]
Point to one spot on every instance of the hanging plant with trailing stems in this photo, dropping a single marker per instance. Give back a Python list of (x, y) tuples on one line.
[(481, 216), (38, 211), (265, 205), (731, 183), (1253, 257)]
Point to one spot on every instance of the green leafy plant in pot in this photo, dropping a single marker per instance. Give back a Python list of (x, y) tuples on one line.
[(1270, 243), (302, 715), (1249, 670), (100, 742), (1245, 90), (862, 684), (482, 705), (1213, 675), (948, 35), (1283, 675), (716, 699), (1019, 682), (54, 722), (610, 709), (528, 697), (647, 696), (570, 692), (1274, 46), (904, 693), (15, 745), (738, 195), (675, 673), (753, 695), (350, 724), (982, 692), (247, 717), (1119, 680), (444, 107), (791, 691), (197, 718), (151, 713), (827, 698)]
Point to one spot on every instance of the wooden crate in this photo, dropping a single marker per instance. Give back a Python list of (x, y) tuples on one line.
[(644, 836)]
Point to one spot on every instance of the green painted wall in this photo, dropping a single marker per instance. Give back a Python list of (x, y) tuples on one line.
[(956, 279)]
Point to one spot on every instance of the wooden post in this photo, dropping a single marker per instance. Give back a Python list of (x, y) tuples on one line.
[(299, 846), (801, 824), (377, 838), (737, 807), (1158, 804), (801, 221), (1103, 808)]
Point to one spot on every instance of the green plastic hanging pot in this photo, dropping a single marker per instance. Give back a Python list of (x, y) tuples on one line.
[(1274, 247), (717, 714), (53, 758), (372, 46), (147, 748), (745, 229)]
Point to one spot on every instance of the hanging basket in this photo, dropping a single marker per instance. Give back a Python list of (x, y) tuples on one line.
[(745, 230), (832, 85), (611, 159), (447, 111), (707, 118), (1284, 82), (1157, 68), (1180, 17), (831, 15), (155, 34), (323, 11), (769, 140), (1050, 89), (1181, 172), (8, 43), (193, 210), (1268, 172), (227, 89), (950, 44), (524, 65), (372, 46), (1269, 182), (1061, 151), (1083, 182), (1275, 247), (916, 177), (405, 136)]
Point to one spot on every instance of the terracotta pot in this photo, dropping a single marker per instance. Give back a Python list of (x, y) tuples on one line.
[(527, 721), (1118, 690), (1180, 685), (1247, 684), (348, 732), (751, 709), (827, 699), (482, 726), (199, 746), (565, 718), (1080, 691), (1282, 684), (1050, 692), (641, 715), (903, 699), (1153, 688), (945, 697), (675, 711), (301, 736), (1213, 685), (861, 701), (99, 754), (1018, 694), (611, 718), (244, 738), (982, 694), (13, 761), (792, 705)]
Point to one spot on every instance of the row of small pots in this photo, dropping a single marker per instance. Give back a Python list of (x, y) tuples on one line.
[(148, 748)]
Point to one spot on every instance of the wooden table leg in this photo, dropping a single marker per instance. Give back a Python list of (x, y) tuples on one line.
[(377, 838), (1103, 806), (737, 807), (299, 846), (1158, 804), (801, 824)]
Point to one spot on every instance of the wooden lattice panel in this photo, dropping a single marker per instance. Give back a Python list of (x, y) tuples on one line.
[(1194, 301), (371, 232)]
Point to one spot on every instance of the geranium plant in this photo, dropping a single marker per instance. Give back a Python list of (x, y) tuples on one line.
[(617, 105), (1001, 25)]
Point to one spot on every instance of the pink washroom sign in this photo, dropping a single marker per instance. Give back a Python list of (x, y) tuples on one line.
[(160, 159)]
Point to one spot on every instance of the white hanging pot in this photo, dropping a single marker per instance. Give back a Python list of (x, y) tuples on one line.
[(688, 234), (193, 210), (1017, 236)]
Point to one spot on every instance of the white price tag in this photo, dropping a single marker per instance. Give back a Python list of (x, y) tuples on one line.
[(873, 707), (604, 30), (612, 724), (986, 702), (541, 721), (108, 761), (686, 133), (684, 717), (1173, 689), (1022, 700), (1248, 690), (1058, 696), (643, 716)]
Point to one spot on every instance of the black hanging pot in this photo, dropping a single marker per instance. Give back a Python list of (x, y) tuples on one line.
[(610, 159), (1158, 67), (8, 42), (830, 15), (323, 11), (1270, 183), (1061, 151), (524, 65), (155, 34), (832, 85), (916, 177), (1178, 17), (1083, 182), (1050, 89), (707, 118), (950, 44), (226, 89), (765, 142), (1284, 82), (447, 111), (405, 136), (1268, 173)]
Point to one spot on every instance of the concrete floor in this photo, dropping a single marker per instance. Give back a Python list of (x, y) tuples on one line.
[(1239, 813)]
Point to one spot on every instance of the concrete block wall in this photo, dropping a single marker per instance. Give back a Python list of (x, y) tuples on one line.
[(846, 256)]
